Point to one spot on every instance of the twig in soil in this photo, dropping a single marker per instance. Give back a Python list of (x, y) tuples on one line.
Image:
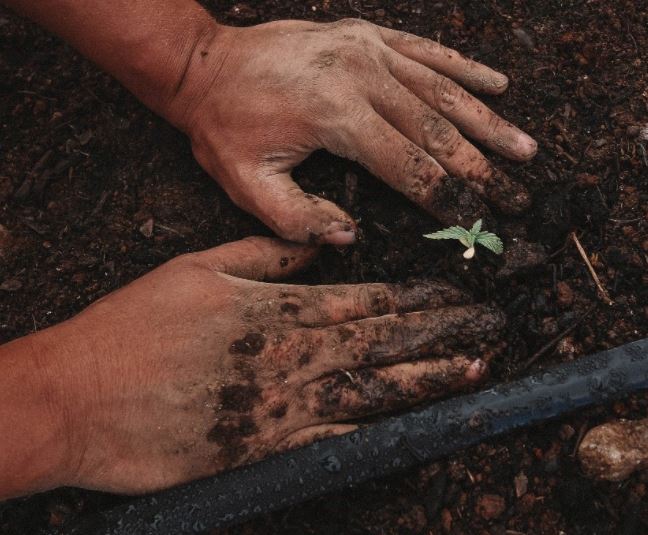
[(382, 228), (643, 153), (169, 229), (25, 188), (602, 291), (557, 338), (355, 8), (558, 251)]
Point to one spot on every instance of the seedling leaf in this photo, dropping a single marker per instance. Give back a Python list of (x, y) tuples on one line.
[(490, 241), (476, 227), (470, 238), (451, 233)]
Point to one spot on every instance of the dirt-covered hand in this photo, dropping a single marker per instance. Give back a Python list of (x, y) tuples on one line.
[(193, 369), (257, 101)]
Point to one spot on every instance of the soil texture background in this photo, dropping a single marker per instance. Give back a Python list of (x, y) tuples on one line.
[(84, 167)]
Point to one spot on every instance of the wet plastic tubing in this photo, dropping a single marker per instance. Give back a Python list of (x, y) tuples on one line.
[(378, 450)]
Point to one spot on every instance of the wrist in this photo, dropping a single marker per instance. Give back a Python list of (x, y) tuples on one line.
[(148, 46), (201, 66), (39, 425)]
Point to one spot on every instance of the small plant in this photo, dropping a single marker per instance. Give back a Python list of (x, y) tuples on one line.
[(470, 238)]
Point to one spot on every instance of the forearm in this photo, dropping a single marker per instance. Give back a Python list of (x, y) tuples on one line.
[(35, 448), (147, 45)]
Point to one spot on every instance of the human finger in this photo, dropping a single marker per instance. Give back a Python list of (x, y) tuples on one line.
[(318, 306), (407, 168), (258, 258), (359, 393), (471, 74), (439, 138)]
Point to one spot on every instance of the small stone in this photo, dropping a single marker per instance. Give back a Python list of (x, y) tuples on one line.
[(243, 11), (39, 106), (11, 285), (566, 432), (613, 451), (587, 180), (564, 294), (490, 506), (521, 484), (566, 347), (446, 520), (524, 38), (147, 228), (643, 133), (526, 503), (85, 137)]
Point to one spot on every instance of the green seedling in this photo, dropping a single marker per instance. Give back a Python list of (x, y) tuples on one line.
[(470, 238)]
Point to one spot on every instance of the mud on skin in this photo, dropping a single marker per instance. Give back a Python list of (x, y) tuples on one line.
[(241, 406), (365, 392), (251, 344)]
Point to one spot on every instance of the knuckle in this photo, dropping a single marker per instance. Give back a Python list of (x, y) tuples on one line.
[(376, 300), (440, 134), (448, 95), (351, 23), (419, 172), (186, 262), (298, 346), (428, 46), (493, 127)]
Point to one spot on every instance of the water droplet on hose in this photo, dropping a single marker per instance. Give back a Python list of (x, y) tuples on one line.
[(595, 383), (331, 464)]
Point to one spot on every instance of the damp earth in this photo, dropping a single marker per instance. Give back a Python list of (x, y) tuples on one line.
[(95, 191)]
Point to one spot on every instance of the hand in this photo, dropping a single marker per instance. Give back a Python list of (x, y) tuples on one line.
[(193, 369), (257, 101)]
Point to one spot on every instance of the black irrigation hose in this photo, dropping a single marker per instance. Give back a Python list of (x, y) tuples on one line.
[(389, 446)]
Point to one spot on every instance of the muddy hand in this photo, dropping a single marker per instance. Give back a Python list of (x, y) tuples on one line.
[(257, 101), (193, 369)]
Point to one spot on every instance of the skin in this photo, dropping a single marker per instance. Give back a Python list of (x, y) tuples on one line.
[(257, 101), (194, 368)]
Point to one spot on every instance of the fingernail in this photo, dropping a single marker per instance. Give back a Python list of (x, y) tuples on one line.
[(339, 233), (476, 370), (501, 81), (342, 237), (527, 146)]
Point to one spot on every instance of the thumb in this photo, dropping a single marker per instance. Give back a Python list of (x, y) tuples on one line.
[(292, 214), (258, 258)]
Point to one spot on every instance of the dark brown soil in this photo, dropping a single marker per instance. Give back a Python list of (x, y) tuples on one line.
[(579, 72)]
